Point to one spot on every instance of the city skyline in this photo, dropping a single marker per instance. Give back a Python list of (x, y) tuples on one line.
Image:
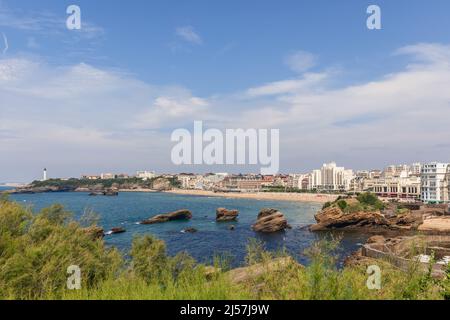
[(428, 182), (146, 173), (107, 97)]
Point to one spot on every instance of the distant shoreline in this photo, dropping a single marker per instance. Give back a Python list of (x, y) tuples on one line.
[(278, 196), (12, 185), (138, 190)]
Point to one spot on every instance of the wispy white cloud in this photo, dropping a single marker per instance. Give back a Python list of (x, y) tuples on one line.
[(172, 111), (64, 113), (187, 33), (6, 45), (308, 81), (301, 61), (427, 53)]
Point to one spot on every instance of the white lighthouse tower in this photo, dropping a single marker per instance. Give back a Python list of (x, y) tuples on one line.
[(45, 175)]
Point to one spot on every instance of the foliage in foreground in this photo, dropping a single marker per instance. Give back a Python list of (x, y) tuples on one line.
[(36, 249)]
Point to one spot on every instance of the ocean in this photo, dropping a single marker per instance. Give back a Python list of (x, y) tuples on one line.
[(212, 239)]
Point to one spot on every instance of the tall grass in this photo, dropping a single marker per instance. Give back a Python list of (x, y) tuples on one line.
[(37, 248)]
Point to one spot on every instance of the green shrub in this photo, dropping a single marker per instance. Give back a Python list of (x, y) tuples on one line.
[(354, 207), (35, 252), (370, 200), (326, 205), (342, 204), (148, 257)]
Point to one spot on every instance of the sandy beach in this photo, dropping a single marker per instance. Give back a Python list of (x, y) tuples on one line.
[(298, 197), (137, 190)]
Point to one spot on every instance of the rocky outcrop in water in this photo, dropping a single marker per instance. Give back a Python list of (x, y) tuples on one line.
[(334, 218), (33, 190), (223, 215), (177, 215), (116, 231), (108, 193), (394, 217), (270, 220)]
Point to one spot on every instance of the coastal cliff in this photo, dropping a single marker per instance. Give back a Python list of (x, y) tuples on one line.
[(96, 187), (367, 213)]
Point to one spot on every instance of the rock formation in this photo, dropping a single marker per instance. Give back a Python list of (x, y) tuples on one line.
[(33, 190), (108, 192), (409, 220), (116, 231), (334, 218), (190, 230), (270, 220), (223, 215), (177, 215), (404, 250), (162, 184), (424, 219)]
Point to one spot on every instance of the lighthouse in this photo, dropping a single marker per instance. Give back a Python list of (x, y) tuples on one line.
[(45, 175)]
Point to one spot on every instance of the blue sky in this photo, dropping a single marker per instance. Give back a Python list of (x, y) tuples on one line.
[(243, 42), (221, 60)]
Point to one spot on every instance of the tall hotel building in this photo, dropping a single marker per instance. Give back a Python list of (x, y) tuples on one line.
[(434, 188)]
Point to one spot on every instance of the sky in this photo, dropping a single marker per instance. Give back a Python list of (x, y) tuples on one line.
[(106, 98)]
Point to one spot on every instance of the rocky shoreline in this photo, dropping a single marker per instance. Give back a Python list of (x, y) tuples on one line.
[(430, 253), (418, 217), (93, 187), (402, 234)]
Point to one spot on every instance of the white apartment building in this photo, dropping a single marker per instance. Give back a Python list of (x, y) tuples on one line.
[(375, 174), (145, 175), (297, 181), (446, 188), (190, 181), (397, 187), (315, 180), (210, 181), (433, 176), (332, 178), (402, 170), (415, 169), (107, 176)]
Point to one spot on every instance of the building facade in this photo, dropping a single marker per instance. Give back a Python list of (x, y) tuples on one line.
[(145, 175), (331, 178), (407, 188), (433, 186), (447, 186)]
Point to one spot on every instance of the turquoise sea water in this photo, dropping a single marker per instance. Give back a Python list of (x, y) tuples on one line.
[(211, 239)]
